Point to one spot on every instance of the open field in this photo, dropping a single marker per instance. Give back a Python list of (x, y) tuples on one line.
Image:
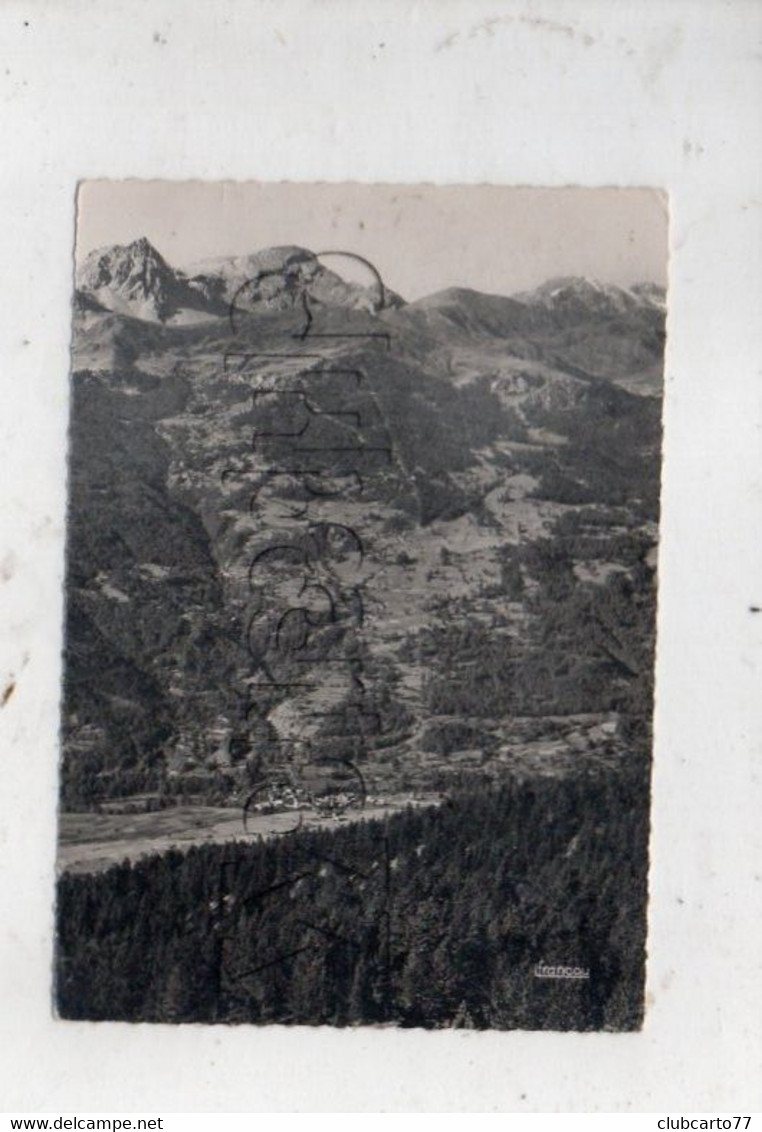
[(90, 843)]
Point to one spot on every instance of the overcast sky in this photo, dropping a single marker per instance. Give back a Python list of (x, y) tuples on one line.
[(421, 238)]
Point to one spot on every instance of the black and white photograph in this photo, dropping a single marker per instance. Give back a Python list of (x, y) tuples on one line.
[(380, 562), (360, 605)]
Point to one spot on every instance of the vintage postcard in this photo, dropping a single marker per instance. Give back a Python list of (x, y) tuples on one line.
[(360, 605)]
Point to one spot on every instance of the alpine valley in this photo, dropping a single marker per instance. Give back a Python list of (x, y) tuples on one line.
[(481, 530)]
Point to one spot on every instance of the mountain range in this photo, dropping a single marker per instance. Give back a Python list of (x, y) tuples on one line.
[(452, 573), (135, 279)]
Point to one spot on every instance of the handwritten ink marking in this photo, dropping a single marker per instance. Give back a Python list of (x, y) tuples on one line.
[(274, 635)]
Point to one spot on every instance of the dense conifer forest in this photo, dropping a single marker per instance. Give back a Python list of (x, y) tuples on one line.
[(435, 917)]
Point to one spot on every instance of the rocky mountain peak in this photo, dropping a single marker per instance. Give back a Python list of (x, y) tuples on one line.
[(131, 279), (120, 262)]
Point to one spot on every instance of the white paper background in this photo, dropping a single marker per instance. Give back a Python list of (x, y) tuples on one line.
[(588, 92)]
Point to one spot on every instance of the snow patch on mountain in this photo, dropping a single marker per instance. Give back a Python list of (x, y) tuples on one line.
[(584, 294)]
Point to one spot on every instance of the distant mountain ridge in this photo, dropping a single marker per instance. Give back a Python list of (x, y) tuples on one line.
[(135, 280), (557, 302), (573, 292)]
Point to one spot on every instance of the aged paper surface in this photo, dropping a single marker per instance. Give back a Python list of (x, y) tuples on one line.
[(555, 94)]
